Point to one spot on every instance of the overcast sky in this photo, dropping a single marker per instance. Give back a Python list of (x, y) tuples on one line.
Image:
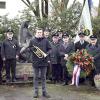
[(13, 6)]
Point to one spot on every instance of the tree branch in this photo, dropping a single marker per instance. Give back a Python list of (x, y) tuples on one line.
[(28, 4), (25, 3)]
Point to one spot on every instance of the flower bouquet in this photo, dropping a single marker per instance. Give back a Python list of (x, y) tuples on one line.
[(97, 81), (83, 59)]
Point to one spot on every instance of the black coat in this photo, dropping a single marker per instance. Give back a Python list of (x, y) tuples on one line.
[(9, 49), (45, 46), (79, 46), (54, 55), (1, 61), (68, 50), (95, 52)]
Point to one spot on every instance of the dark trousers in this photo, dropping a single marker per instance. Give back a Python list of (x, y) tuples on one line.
[(48, 72), (65, 74), (1, 66), (60, 72), (43, 71), (10, 68), (56, 72), (90, 77)]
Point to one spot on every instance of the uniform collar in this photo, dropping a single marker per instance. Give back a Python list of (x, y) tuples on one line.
[(81, 42), (10, 39), (39, 39)]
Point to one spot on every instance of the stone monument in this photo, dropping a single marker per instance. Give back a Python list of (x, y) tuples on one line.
[(24, 67)]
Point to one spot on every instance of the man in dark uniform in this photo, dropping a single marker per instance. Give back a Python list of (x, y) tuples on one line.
[(1, 65), (10, 52), (55, 58), (60, 34), (39, 63), (81, 44), (47, 36), (94, 49), (66, 48)]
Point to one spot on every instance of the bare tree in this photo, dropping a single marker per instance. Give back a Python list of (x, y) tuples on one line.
[(40, 9)]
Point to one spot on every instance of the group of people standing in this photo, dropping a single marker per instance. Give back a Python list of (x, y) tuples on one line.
[(62, 49), (57, 48)]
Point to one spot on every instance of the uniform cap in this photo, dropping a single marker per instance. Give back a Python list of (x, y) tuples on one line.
[(46, 30), (93, 37), (65, 35), (54, 34), (81, 34), (10, 31)]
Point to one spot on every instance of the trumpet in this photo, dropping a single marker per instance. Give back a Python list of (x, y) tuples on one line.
[(38, 52)]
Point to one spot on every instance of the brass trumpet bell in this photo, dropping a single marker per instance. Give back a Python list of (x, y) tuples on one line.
[(38, 52)]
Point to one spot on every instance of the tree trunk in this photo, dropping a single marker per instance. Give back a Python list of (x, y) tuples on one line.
[(99, 9), (40, 9), (45, 8)]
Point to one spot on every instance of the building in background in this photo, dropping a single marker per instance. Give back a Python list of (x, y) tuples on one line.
[(11, 8), (2, 4)]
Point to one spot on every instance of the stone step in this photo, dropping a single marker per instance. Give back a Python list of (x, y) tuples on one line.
[(24, 70)]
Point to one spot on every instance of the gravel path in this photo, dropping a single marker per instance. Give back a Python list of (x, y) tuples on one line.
[(57, 92)]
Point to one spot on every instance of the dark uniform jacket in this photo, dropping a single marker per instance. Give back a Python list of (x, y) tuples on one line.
[(45, 46), (1, 61), (66, 50), (95, 52), (9, 49), (79, 46), (54, 55)]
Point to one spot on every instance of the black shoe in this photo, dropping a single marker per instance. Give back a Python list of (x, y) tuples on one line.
[(54, 82), (8, 81), (0, 82), (36, 95), (45, 94), (14, 80), (93, 84), (65, 84)]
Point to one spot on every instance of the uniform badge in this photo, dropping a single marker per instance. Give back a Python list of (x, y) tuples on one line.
[(14, 46)]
